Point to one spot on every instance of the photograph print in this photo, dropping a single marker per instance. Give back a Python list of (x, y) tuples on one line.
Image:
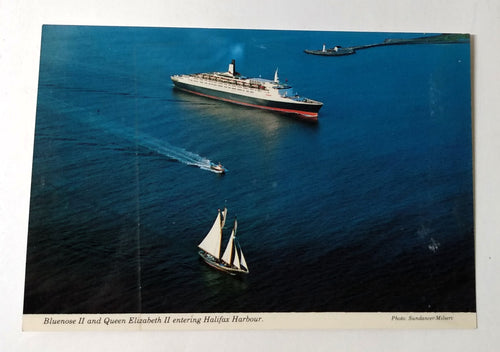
[(192, 174)]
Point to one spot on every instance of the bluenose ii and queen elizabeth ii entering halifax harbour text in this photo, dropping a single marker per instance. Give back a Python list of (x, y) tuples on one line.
[(153, 320), (148, 149)]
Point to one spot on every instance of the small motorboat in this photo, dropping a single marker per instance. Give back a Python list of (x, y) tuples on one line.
[(218, 168)]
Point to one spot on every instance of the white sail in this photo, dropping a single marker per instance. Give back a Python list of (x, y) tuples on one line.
[(276, 79), (212, 241), (223, 217), (236, 260), (228, 253), (243, 261)]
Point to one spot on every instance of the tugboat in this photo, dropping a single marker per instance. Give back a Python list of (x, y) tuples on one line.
[(260, 93), (335, 51)]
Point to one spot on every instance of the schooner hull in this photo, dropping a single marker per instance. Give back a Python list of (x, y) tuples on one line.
[(214, 263)]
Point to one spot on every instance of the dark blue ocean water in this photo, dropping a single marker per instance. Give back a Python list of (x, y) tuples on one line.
[(370, 209)]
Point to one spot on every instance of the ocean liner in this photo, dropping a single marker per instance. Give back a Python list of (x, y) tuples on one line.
[(259, 93)]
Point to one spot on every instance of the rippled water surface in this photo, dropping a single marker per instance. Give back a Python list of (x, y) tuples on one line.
[(370, 209)]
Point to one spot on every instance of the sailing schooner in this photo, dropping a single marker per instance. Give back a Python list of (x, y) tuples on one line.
[(232, 260)]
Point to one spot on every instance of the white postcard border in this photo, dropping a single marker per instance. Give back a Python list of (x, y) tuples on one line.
[(247, 321)]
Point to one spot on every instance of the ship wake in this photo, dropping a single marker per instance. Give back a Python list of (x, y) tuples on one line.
[(140, 139), (172, 152)]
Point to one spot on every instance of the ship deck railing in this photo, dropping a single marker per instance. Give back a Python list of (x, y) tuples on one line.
[(233, 81)]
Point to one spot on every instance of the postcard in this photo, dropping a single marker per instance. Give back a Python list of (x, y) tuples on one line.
[(191, 178)]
